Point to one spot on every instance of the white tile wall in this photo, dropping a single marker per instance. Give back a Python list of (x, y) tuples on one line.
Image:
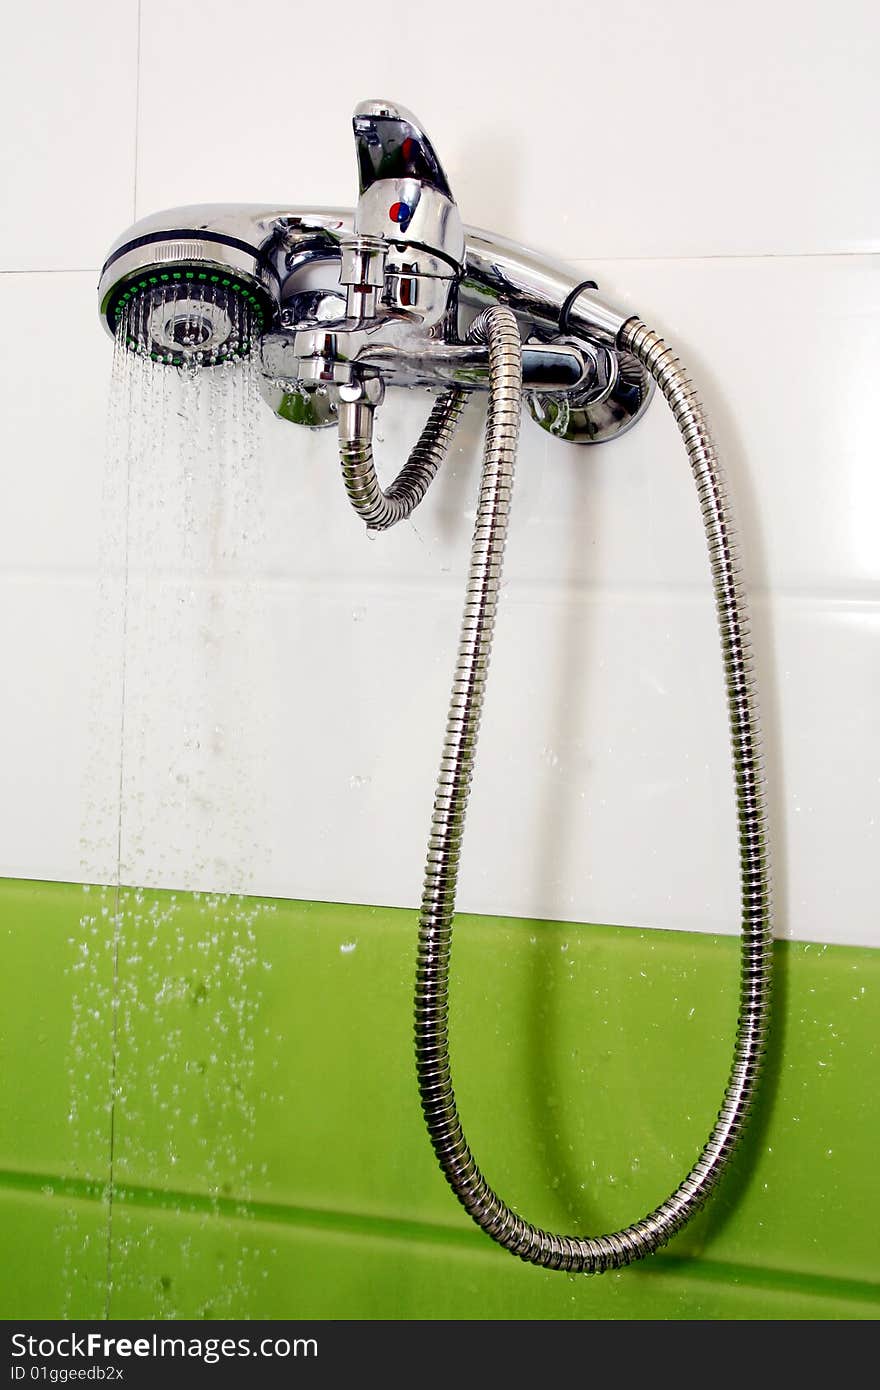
[(54, 371), (603, 787), (590, 128), (46, 637), (68, 93)]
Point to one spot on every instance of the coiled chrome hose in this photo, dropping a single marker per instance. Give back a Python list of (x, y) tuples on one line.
[(587, 1254), (383, 508)]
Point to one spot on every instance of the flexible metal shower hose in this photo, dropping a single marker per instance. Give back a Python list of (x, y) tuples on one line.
[(381, 508), (587, 1254)]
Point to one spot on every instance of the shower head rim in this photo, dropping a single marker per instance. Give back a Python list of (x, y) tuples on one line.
[(199, 279), (179, 252)]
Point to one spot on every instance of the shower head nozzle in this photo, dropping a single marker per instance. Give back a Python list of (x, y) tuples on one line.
[(188, 314)]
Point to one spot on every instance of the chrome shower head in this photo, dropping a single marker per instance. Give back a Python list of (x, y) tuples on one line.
[(196, 286), (188, 316)]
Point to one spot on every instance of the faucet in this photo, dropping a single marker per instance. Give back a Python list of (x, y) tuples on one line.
[(198, 286)]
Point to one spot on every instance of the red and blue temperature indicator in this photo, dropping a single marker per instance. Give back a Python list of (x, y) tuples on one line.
[(402, 212)]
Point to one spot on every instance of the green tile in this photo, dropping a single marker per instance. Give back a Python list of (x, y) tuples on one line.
[(264, 1071), (173, 1265), (805, 1190), (55, 1256), (589, 1064), (56, 1022)]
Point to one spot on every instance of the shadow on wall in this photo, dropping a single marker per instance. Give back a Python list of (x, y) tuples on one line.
[(554, 849), (649, 1127), (753, 552)]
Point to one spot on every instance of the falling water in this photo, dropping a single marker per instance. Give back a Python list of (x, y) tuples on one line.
[(165, 958)]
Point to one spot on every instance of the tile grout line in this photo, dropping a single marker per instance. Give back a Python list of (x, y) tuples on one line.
[(521, 589), (56, 270), (366, 1225), (578, 260), (137, 113), (114, 1038), (865, 252), (475, 917), (114, 1032)]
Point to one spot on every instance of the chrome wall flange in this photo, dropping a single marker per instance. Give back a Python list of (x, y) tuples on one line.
[(608, 408)]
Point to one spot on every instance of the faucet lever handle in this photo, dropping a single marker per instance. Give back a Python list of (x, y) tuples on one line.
[(404, 193)]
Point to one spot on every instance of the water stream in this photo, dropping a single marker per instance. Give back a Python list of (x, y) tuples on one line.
[(165, 959)]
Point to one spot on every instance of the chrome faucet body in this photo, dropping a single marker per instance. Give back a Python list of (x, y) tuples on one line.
[(398, 281)]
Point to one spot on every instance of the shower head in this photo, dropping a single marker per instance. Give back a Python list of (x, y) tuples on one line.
[(190, 287), (186, 316)]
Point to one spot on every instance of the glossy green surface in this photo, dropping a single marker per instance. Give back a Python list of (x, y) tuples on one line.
[(54, 1254), (56, 991), (268, 1154)]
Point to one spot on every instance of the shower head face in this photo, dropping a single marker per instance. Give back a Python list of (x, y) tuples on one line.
[(199, 316)]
